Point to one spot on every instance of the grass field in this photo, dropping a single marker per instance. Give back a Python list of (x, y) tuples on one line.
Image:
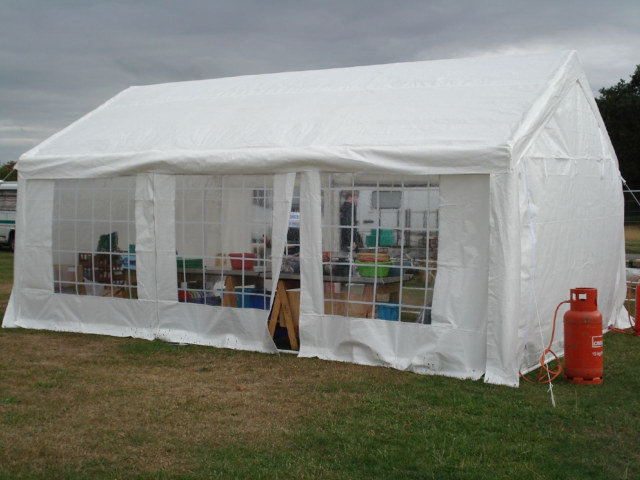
[(87, 406)]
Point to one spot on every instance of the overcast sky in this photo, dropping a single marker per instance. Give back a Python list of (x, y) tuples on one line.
[(60, 59)]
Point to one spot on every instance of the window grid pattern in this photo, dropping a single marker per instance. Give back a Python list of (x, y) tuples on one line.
[(229, 263), (90, 218), (380, 262)]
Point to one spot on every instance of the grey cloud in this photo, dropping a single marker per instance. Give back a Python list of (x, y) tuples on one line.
[(61, 59)]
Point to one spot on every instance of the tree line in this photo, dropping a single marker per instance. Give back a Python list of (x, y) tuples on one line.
[(620, 109), (7, 170)]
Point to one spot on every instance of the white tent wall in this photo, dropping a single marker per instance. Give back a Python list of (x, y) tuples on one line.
[(563, 123), (219, 326), (146, 247), (156, 313), (454, 344), (504, 281), (571, 221), (12, 313), (37, 304)]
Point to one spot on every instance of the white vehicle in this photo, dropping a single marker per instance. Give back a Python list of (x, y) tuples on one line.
[(8, 198)]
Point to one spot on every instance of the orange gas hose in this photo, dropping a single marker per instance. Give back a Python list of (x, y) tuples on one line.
[(545, 374)]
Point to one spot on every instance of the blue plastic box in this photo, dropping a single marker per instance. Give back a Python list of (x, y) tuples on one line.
[(388, 311), (252, 298)]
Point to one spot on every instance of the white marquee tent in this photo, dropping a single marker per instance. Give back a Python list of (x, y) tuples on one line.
[(510, 195)]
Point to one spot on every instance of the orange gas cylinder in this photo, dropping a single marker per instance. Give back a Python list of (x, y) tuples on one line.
[(583, 338)]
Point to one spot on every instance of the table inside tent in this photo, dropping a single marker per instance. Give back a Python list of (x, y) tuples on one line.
[(285, 311)]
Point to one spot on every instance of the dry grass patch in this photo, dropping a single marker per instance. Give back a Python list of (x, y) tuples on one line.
[(78, 401)]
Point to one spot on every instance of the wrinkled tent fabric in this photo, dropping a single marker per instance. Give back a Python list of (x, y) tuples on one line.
[(531, 202)]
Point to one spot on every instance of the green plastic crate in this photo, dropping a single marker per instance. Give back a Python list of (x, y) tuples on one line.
[(189, 262), (387, 238)]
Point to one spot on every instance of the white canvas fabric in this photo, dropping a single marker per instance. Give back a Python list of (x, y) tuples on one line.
[(530, 191), (37, 305), (146, 237), (572, 221), (12, 312), (461, 115), (454, 343), (225, 327)]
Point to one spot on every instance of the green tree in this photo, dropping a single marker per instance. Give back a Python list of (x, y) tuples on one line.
[(620, 109), (8, 169)]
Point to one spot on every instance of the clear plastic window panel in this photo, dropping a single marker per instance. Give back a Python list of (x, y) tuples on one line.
[(223, 240), (94, 234), (380, 246)]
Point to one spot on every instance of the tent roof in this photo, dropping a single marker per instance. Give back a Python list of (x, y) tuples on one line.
[(445, 116)]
